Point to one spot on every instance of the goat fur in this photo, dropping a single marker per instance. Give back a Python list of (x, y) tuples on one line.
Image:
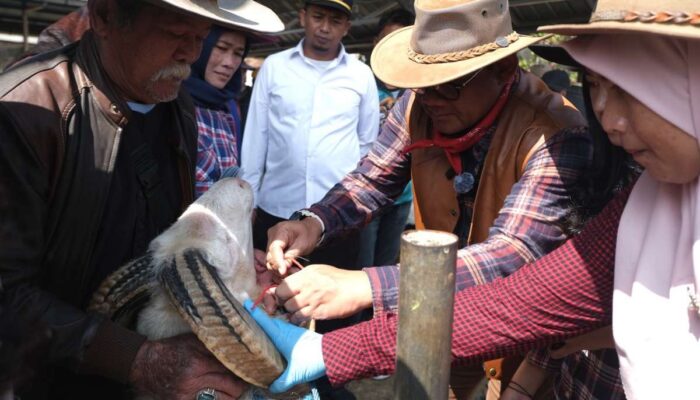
[(219, 225)]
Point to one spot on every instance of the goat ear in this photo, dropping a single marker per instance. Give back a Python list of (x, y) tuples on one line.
[(203, 226), (223, 249)]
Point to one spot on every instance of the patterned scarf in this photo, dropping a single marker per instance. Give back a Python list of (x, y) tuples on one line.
[(454, 146)]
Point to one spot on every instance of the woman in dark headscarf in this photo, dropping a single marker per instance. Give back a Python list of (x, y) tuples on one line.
[(214, 86)]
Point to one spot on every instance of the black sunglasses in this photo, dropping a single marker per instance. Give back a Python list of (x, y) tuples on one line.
[(449, 90)]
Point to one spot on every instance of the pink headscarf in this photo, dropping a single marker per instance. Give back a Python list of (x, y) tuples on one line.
[(658, 244)]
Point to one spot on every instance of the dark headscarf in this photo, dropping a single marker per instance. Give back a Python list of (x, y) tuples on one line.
[(203, 93)]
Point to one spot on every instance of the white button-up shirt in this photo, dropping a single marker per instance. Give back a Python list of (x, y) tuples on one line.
[(307, 126)]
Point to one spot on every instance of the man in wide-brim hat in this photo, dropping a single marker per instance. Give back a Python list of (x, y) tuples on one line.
[(97, 157), (493, 153)]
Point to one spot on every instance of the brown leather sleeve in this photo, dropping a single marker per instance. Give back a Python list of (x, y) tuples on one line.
[(24, 188)]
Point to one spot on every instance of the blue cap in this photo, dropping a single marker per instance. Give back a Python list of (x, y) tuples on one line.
[(342, 5)]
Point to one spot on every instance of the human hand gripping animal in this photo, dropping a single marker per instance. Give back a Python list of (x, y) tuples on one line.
[(194, 279)]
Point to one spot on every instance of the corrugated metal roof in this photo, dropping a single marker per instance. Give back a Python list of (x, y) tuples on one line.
[(40, 13), (526, 15)]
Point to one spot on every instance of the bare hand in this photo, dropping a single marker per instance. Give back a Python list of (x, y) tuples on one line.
[(528, 378), (290, 239), (599, 339), (324, 292), (266, 279), (511, 394), (179, 367), (260, 260), (263, 276)]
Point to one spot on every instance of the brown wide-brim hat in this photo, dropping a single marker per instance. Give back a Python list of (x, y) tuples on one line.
[(237, 14), (450, 39), (675, 18)]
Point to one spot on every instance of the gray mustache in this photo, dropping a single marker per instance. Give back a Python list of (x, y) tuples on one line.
[(175, 71)]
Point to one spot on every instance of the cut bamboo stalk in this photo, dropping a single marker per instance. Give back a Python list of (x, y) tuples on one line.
[(426, 302)]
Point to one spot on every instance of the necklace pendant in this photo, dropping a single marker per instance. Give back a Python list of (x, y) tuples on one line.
[(463, 183)]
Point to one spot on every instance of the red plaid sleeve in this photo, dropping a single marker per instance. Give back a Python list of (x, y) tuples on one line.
[(564, 294)]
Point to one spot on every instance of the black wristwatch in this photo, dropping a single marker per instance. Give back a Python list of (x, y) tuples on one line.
[(297, 216), (303, 214)]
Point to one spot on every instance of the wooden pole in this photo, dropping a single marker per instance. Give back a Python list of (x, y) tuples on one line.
[(426, 299)]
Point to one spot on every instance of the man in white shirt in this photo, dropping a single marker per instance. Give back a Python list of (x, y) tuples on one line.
[(313, 115)]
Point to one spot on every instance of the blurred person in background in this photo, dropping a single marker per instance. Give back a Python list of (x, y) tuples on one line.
[(380, 240), (559, 81), (214, 85), (313, 115)]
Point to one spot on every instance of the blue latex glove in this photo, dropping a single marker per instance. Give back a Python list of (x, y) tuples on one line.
[(301, 347)]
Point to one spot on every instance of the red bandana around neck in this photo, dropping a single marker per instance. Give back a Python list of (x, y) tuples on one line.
[(454, 146)]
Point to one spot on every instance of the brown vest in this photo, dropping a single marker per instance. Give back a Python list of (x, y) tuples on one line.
[(532, 115)]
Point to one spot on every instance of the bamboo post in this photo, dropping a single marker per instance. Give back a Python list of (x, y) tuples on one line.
[(426, 299)]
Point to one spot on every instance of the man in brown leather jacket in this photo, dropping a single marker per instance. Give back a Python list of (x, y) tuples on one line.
[(97, 158)]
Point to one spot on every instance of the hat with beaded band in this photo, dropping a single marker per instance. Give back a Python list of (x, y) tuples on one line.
[(450, 39), (676, 18)]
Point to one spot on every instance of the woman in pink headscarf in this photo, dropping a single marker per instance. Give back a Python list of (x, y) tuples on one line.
[(647, 99), (636, 265)]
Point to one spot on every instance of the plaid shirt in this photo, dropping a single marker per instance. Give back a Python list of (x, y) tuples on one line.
[(216, 146), (529, 224), (584, 375), (551, 306)]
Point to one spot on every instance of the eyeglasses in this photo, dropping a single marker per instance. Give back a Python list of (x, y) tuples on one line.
[(449, 90)]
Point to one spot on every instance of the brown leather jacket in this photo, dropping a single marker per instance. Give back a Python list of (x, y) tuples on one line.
[(532, 115), (60, 127)]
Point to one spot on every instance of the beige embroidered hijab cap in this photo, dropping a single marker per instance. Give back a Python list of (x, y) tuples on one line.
[(238, 14), (676, 18), (450, 39)]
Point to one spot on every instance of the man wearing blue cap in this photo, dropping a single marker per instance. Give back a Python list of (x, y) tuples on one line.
[(313, 114)]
